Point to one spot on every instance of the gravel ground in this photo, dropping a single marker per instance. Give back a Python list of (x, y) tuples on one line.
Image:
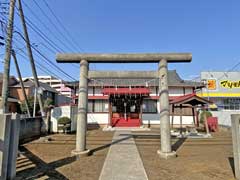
[(53, 160), (198, 159)]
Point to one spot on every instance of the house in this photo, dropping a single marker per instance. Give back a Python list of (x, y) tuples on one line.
[(64, 93), (46, 90), (13, 105)]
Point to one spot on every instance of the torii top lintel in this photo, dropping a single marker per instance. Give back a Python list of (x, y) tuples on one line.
[(123, 58)]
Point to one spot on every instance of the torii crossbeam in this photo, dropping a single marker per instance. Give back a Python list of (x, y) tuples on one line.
[(162, 58)]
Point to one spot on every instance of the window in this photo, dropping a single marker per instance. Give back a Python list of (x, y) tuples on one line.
[(231, 104), (90, 105), (97, 105), (149, 106)]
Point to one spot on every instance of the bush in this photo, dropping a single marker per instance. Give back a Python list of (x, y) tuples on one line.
[(208, 114), (64, 120), (64, 123)]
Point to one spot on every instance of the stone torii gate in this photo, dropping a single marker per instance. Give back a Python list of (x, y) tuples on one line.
[(162, 58)]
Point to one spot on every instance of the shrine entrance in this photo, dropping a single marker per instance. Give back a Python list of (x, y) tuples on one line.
[(126, 105), (125, 110)]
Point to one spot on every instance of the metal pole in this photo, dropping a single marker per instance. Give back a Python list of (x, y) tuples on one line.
[(30, 56), (34, 102), (5, 89), (21, 82), (166, 150), (82, 111)]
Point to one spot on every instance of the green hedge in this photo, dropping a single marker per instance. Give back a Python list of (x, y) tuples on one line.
[(64, 120), (208, 114)]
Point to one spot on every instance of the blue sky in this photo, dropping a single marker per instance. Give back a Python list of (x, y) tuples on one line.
[(210, 30)]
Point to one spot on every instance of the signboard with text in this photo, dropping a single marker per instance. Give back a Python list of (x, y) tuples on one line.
[(221, 83)]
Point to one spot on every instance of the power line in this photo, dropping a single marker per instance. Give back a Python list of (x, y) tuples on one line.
[(47, 60), (44, 37), (20, 48), (41, 34), (50, 20), (63, 26), (49, 29), (52, 45), (46, 47), (39, 65), (54, 65), (229, 70)]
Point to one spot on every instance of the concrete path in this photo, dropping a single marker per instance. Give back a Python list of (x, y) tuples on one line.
[(123, 161)]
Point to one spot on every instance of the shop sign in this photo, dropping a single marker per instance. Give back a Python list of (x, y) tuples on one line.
[(230, 84), (211, 84)]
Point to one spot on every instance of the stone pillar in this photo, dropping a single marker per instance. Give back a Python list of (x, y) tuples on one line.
[(82, 111), (166, 150), (235, 118), (5, 127), (13, 146)]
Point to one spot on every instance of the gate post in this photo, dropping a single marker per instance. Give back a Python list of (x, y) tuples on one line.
[(235, 118), (13, 145), (82, 111), (5, 125), (166, 150)]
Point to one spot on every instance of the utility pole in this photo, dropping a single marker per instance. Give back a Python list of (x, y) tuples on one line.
[(5, 89), (21, 82), (30, 56), (34, 102)]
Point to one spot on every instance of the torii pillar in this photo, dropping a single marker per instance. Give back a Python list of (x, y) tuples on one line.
[(162, 58), (165, 150), (82, 111)]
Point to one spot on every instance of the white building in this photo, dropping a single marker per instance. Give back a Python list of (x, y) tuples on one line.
[(58, 84), (125, 99), (223, 88)]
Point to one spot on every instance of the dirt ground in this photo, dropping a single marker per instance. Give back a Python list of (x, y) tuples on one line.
[(198, 159), (52, 160)]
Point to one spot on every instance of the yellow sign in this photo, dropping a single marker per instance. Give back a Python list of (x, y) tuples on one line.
[(230, 84), (211, 84), (218, 94)]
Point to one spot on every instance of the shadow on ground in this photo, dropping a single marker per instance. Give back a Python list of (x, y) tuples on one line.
[(52, 159), (92, 151), (42, 168), (231, 162)]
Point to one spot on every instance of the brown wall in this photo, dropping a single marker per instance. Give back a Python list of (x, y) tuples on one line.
[(12, 107), (17, 93)]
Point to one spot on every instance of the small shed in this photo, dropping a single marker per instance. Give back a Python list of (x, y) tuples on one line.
[(190, 101)]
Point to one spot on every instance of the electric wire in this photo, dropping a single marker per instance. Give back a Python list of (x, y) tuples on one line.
[(63, 26), (47, 60), (52, 44), (50, 20), (47, 27)]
